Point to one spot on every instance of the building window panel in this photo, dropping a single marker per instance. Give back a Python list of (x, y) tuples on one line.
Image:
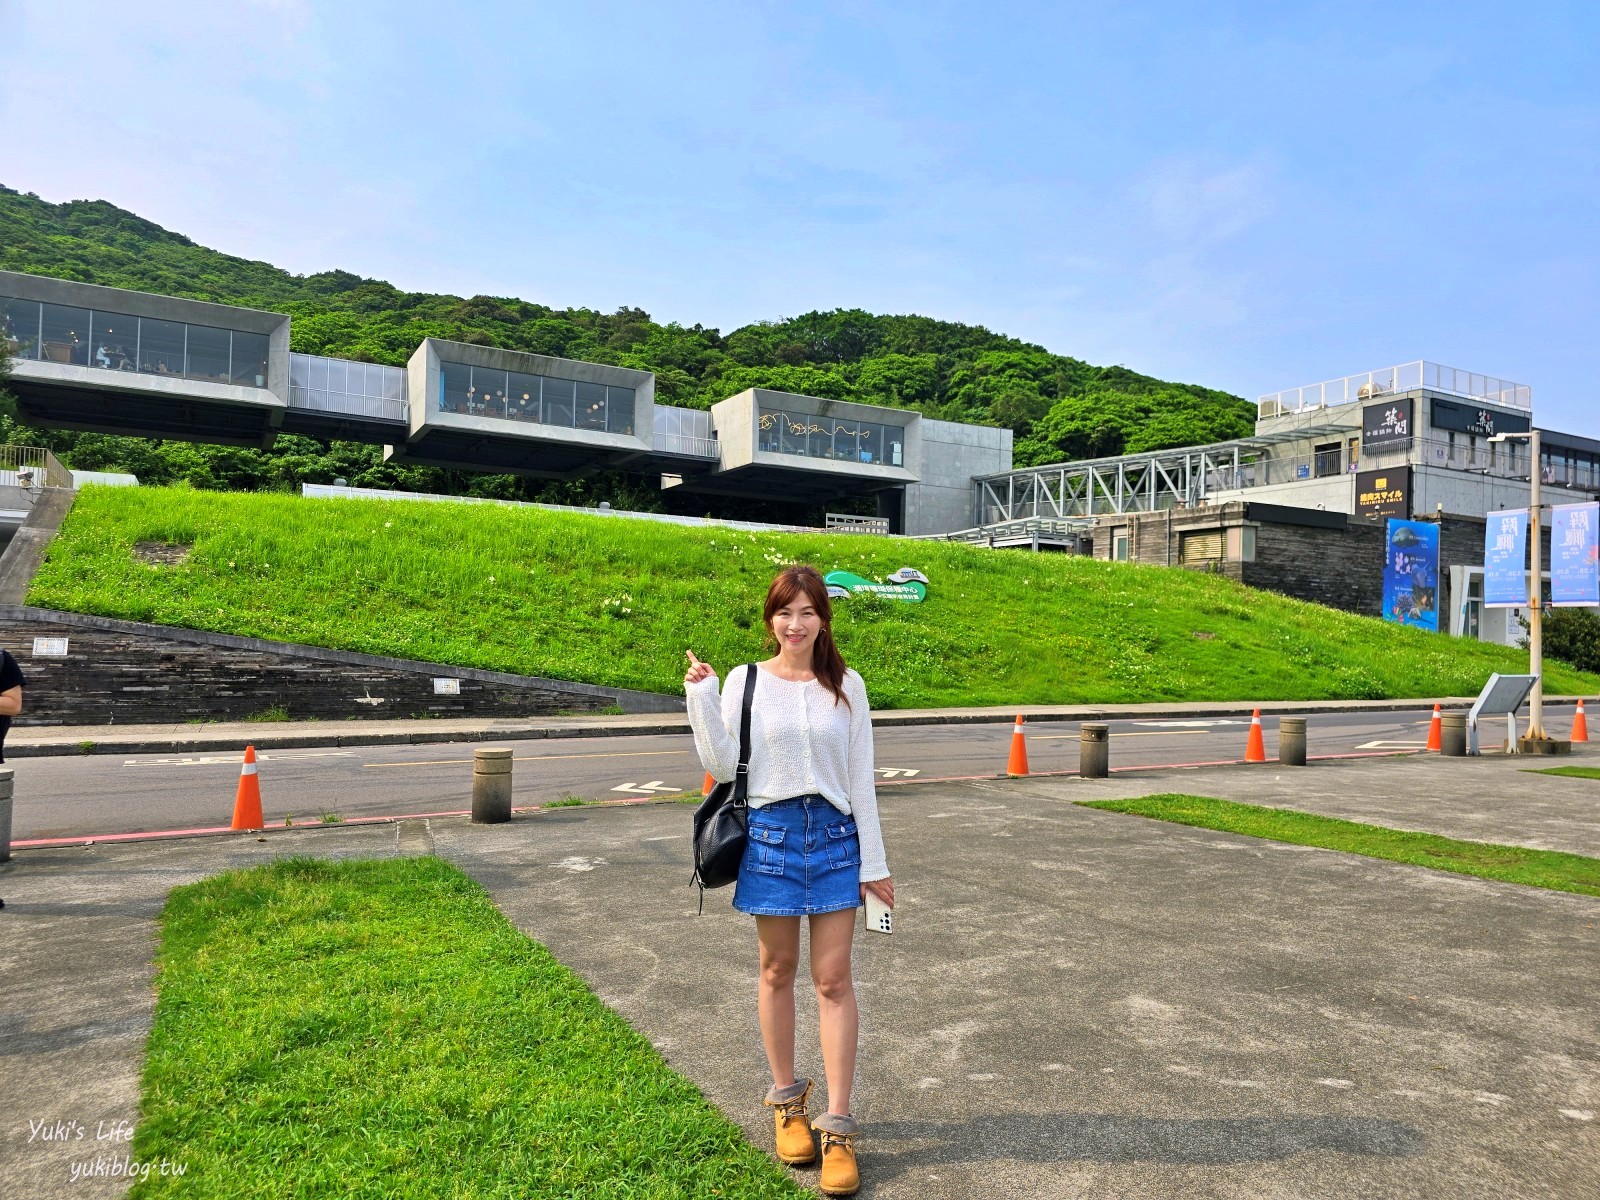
[(894, 446), (524, 397), (65, 335), (161, 346), (591, 406), (115, 342), (249, 359), (454, 381), (846, 440), (560, 396), (19, 325), (208, 354), (619, 409)]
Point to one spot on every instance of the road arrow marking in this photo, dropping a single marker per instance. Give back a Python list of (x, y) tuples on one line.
[(891, 772), (1383, 745), (655, 785)]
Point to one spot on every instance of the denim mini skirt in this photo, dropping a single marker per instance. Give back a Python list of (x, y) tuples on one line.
[(803, 857)]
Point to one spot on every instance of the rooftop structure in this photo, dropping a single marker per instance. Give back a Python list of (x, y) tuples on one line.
[(1387, 381)]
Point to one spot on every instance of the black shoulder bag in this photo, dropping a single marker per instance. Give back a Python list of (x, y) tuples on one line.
[(721, 821)]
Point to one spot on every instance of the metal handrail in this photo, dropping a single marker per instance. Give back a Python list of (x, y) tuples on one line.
[(33, 466), (1371, 385)]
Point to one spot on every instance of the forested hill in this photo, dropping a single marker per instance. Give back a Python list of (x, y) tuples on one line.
[(1059, 407)]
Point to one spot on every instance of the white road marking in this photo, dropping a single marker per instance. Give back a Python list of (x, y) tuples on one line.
[(655, 785), (451, 762), (577, 863), (1058, 737), (233, 760), (1180, 724), (891, 772), (1336, 1083), (1577, 1114), (1387, 745)]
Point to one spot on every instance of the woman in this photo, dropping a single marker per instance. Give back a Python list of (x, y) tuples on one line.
[(815, 848)]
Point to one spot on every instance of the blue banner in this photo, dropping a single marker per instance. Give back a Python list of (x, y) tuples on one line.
[(1575, 554), (1505, 560), (1411, 574)]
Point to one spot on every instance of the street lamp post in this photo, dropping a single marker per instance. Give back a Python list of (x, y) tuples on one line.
[(1535, 587)]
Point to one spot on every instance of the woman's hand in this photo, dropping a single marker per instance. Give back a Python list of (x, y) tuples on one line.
[(697, 670), (883, 889)]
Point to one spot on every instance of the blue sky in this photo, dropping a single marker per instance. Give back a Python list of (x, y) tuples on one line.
[(1249, 196)]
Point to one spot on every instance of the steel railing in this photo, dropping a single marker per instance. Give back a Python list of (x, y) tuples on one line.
[(32, 466), (1371, 385)]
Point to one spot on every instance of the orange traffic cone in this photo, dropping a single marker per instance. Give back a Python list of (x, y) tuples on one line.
[(705, 788), (1019, 751), (1436, 731), (1255, 750), (1580, 725), (247, 804)]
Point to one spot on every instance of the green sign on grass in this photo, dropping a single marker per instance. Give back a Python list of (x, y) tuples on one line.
[(907, 584)]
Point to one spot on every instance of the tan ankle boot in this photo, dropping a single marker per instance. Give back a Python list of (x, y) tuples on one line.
[(792, 1128), (840, 1174)]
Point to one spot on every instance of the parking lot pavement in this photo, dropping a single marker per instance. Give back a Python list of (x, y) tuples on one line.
[(1080, 1003), (1075, 1003)]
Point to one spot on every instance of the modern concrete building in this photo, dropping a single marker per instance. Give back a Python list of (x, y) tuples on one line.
[(117, 361)]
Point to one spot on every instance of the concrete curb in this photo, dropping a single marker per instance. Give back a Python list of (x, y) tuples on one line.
[(156, 740)]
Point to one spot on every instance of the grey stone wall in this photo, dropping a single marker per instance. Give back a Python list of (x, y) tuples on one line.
[(124, 673)]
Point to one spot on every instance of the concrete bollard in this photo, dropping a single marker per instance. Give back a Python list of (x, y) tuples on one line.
[(491, 785), (7, 782), (1292, 741), (1453, 735), (1094, 751)]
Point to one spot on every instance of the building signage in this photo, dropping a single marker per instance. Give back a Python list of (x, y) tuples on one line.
[(1411, 574), (1386, 424), (1381, 494), (1505, 559), (907, 584), (1476, 419), (1575, 554), (446, 687), (48, 647)]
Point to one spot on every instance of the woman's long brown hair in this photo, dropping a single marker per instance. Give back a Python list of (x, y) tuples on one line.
[(826, 661)]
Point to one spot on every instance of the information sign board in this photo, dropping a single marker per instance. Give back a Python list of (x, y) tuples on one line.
[(446, 687), (1505, 559), (1501, 697), (49, 647)]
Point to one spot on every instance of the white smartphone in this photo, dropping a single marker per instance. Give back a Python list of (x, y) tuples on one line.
[(880, 917)]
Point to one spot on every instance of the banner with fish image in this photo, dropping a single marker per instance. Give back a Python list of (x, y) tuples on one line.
[(1411, 574)]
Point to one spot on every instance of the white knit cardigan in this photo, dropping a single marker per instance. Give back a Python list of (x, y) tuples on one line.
[(801, 741)]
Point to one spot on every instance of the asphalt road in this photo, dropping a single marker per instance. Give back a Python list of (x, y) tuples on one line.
[(101, 795)]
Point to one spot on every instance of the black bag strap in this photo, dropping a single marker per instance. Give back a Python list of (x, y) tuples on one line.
[(741, 778)]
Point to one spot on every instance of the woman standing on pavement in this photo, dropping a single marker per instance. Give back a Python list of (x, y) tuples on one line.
[(814, 850)]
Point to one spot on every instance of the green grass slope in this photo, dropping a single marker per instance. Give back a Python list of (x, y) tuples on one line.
[(616, 601)]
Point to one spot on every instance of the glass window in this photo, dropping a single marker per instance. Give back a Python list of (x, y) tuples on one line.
[(591, 406), (560, 395), (65, 335), (846, 435), (454, 382), (619, 409), (819, 440), (524, 397), (161, 347), (250, 359), (769, 432), (488, 398), (795, 434), (19, 325), (115, 343), (894, 446), (871, 449), (208, 354)]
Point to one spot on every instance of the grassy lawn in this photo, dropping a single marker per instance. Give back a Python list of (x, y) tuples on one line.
[(1510, 864), (614, 601), (1569, 772), (377, 1028)]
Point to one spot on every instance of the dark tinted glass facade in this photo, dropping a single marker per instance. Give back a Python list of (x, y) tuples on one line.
[(59, 333), (539, 399), (782, 432)]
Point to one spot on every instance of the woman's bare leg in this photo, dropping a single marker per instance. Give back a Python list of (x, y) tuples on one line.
[(780, 955), (831, 935)]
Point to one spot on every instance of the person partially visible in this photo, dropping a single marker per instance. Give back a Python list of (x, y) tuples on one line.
[(11, 685)]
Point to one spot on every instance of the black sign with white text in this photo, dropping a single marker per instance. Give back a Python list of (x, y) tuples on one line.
[(1387, 424), (1480, 420)]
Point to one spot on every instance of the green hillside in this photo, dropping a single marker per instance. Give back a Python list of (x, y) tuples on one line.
[(617, 601), (1060, 407)]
